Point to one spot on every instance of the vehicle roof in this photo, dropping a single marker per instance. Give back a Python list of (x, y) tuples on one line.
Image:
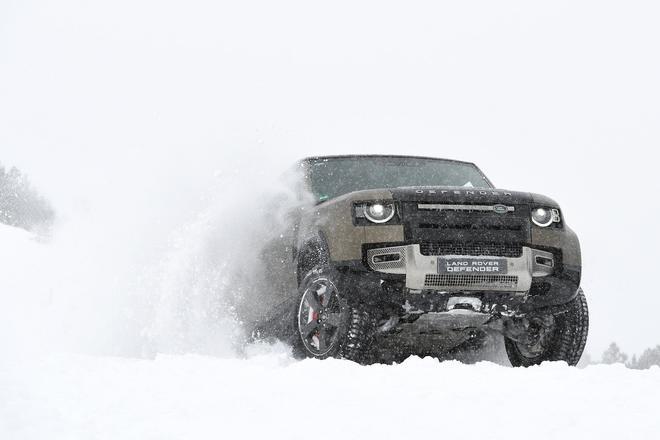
[(400, 156)]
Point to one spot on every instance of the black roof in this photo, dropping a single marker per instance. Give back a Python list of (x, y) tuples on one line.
[(401, 156)]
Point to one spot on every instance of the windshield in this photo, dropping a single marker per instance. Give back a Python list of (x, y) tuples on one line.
[(332, 177)]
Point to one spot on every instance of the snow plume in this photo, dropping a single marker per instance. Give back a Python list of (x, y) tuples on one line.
[(147, 264), (214, 281)]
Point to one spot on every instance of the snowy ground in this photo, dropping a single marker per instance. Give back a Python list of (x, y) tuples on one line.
[(271, 396), (264, 393)]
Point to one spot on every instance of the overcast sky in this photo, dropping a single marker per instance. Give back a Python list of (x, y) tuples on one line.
[(560, 98)]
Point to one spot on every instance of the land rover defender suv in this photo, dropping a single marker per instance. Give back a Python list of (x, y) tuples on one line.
[(417, 256)]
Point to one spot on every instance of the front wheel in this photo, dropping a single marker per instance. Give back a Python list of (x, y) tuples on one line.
[(327, 325), (560, 337)]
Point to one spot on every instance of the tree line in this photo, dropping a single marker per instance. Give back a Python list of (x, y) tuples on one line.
[(20, 204), (614, 355)]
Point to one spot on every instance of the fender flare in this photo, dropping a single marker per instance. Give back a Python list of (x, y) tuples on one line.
[(311, 253)]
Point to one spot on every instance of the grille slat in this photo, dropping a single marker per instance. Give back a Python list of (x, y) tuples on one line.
[(436, 281), (470, 227), (472, 249)]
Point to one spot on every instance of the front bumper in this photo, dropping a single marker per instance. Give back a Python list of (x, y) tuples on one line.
[(421, 271)]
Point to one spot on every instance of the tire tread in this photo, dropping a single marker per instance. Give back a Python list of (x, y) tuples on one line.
[(568, 343)]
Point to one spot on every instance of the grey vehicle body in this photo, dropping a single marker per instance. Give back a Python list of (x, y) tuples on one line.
[(449, 262)]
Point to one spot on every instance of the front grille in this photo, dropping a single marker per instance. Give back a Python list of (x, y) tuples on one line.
[(486, 281), (465, 225), (472, 226), (472, 249)]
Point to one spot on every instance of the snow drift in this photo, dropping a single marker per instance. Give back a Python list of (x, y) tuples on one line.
[(271, 396)]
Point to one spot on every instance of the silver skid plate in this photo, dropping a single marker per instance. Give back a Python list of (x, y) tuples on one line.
[(423, 271)]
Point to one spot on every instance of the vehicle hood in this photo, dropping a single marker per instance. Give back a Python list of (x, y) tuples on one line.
[(448, 195), (461, 195)]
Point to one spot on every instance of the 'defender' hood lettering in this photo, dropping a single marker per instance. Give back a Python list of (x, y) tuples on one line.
[(460, 195)]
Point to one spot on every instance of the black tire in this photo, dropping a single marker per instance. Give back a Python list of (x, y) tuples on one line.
[(326, 324), (565, 342)]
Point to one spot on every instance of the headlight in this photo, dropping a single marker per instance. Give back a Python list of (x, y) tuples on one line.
[(376, 212), (544, 217)]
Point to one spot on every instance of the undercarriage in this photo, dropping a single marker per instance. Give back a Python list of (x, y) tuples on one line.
[(458, 323)]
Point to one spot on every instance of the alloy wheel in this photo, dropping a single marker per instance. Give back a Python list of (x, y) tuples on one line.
[(321, 317)]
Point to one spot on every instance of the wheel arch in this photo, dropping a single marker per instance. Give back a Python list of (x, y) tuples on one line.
[(313, 252)]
